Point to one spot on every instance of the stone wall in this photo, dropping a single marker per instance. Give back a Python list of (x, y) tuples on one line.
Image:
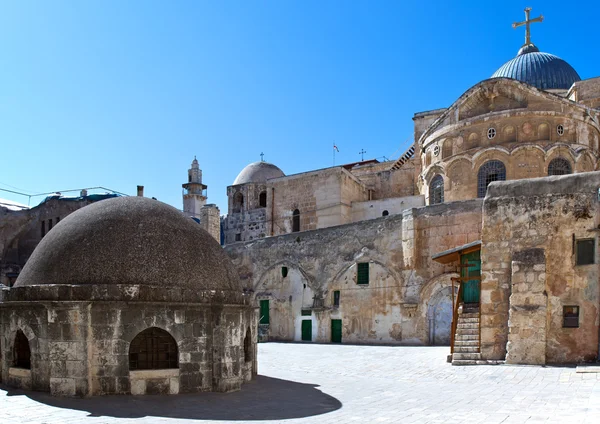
[(372, 209), (386, 183), (550, 214), (393, 307), (210, 220)]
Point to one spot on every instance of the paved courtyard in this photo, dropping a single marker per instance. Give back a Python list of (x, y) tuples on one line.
[(307, 383)]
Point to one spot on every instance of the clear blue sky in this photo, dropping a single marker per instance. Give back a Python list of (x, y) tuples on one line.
[(120, 93)]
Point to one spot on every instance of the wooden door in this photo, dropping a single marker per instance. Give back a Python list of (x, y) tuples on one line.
[(471, 267), (264, 312), (336, 331), (307, 330)]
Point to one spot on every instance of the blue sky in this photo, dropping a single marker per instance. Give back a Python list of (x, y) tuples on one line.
[(115, 94)]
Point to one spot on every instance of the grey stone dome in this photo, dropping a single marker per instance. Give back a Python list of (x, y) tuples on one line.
[(258, 172), (542, 70), (130, 240)]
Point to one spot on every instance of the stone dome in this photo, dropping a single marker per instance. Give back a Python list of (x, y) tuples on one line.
[(258, 172), (542, 70), (133, 241)]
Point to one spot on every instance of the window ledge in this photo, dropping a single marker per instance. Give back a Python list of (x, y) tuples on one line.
[(160, 373)]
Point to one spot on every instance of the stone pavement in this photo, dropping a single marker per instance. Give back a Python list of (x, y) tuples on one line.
[(327, 384)]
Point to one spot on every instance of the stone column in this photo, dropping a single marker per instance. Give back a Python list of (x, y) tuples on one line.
[(528, 304), (210, 220)]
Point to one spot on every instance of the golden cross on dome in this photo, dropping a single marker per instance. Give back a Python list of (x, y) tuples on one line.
[(526, 22)]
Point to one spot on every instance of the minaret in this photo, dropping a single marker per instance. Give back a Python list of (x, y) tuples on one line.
[(194, 192)]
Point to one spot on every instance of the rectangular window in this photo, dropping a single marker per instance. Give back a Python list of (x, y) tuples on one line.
[(362, 273), (284, 271), (49, 224), (336, 298), (264, 312), (57, 219), (306, 312), (585, 251), (43, 228), (238, 237), (570, 316)]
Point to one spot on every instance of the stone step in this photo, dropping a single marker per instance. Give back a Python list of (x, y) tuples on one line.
[(466, 349), (463, 362), (468, 316), (468, 320), (468, 343), (465, 337), (465, 331), (466, 356), (469, 325)]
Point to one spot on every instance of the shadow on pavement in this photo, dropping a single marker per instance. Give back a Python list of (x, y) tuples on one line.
[(264, 398)]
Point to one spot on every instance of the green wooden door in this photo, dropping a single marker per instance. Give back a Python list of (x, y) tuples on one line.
[(264, 312), (307, 330), (336, 331), (471, 287)]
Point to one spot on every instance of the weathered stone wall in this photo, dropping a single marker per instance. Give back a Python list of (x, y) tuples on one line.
[(386, 183), (245, 226), (549, 214), (393, 307), (372, 209), (586, 92), (210, 220)]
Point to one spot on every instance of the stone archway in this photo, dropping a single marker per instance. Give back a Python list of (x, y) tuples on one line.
[(439, 317)]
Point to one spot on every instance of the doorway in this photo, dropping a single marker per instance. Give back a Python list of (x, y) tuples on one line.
[(307, 330), (336, 331)]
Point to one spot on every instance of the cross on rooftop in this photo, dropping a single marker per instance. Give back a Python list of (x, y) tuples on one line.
[(261, 156), (362, 154), (527, 22)]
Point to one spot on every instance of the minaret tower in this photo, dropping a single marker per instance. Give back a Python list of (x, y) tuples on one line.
[(194, 192)]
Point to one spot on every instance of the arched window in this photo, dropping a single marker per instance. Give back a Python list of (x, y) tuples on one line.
[(436, 190), (21, 351), (296, 221), (248, 346), (490, 171), (385, 213), (238, 202), (262, 199), (153, 349), (559, 166)]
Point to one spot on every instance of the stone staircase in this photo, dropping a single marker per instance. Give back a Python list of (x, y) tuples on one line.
[(466, 340)]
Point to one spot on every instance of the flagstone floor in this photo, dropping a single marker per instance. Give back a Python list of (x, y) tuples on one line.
[(326, 384)]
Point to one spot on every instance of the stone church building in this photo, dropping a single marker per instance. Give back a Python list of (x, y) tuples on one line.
[(423, 250)]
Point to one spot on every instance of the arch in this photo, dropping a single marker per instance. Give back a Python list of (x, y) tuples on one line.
[(385, 213), (238, 202), (153, 348), (248, 345), (509, 134), (21, 351), (559, 166), (262, 199), (436, 190), (295, 221), (473, 140), (428, 158), (492, 170), (447, 148), (543, 131)]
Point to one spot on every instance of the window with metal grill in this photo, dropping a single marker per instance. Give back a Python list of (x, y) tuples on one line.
[(436, 190), (570, 316), (21, 351), (559, 166), (153, 349), (336, 298), (585, 251), (362, 273), (305, 312), (490, 171)]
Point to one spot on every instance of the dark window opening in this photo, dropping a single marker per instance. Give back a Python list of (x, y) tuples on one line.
[(238, 237), (189, 178), (362, 273), (49, 224), (43, 228), (238, 202), (436, 190), (570, 316), (559, 166), (296, 221), (264, 312), (248, 346), (336, 298), (262, 199), (57, 219), (284, 271), (585, 251), (153, 349), (306, 312), (21, 351), (385, 213), (489, 172)]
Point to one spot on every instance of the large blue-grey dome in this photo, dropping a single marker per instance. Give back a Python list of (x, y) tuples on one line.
[(542, 70)]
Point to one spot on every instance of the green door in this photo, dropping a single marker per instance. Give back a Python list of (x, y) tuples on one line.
[(471, 267), (307, 330), (336, 331), (264, 312)]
